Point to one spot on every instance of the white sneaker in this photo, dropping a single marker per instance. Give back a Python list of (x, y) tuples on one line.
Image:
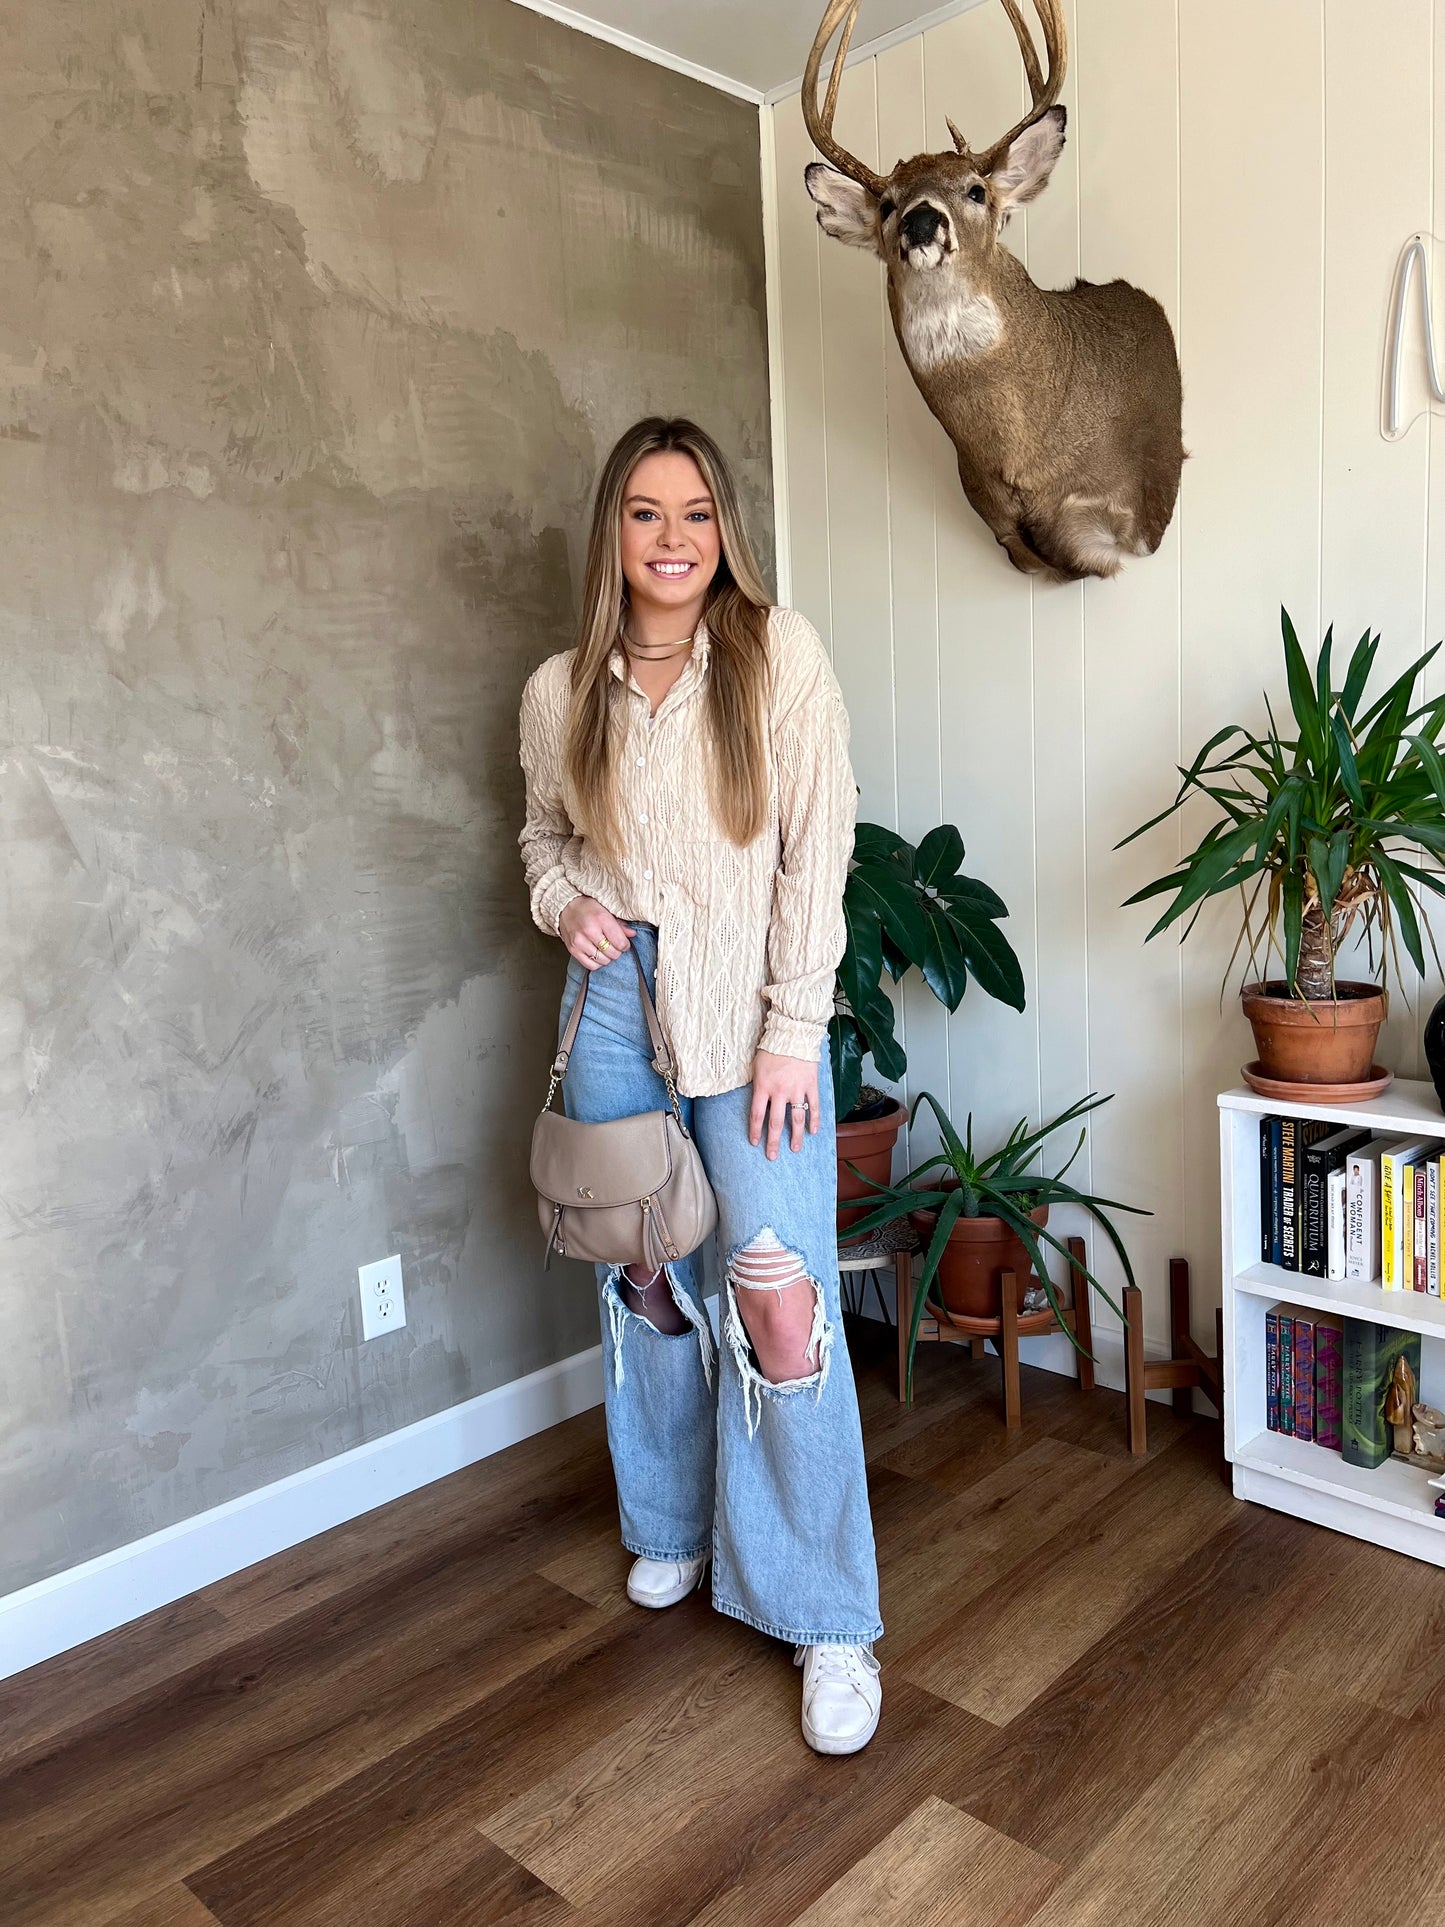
[(662, 1582), (842, 1697)]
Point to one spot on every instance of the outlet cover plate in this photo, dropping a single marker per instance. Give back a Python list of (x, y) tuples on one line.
[(383, 1308)]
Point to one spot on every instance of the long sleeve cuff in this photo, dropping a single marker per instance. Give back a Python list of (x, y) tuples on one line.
[(792, 1037), (553, 891)]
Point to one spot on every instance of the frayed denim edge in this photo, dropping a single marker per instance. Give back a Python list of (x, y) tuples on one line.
[(820, 1335), (618, 1314)]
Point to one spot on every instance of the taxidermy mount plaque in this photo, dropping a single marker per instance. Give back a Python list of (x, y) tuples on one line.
[(1063, 405)]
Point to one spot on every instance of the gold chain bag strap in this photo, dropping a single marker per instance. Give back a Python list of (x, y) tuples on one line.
[(632, 1192)]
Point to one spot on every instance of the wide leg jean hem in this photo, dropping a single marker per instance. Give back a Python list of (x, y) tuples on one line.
[(666, 1552), (798, 1638)]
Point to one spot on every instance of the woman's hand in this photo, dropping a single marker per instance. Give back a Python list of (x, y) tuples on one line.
[(777, 1083), (591, 933)]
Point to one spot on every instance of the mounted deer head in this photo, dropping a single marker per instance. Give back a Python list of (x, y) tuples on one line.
[(1063, 406)]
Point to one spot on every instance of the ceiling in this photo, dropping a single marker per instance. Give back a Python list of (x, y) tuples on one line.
[(752, 47)]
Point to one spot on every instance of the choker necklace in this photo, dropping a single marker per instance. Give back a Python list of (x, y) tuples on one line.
[(659, 653)]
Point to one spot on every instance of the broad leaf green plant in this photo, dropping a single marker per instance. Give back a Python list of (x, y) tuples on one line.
[(958, 1182), (908, 908), (1321, 829)]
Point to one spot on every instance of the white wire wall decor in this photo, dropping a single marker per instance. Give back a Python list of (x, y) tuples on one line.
[(1412, 272)]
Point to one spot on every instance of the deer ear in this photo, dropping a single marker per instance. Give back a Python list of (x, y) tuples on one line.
[(1024, 171), (846, 210)]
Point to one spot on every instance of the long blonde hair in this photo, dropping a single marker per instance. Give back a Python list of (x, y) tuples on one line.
[(736, 613)]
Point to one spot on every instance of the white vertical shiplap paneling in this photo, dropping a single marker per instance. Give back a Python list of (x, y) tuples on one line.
[(857, 475), (1061, 993), (985, 666), (1256, 169), (1127, 144), (799, 377), (1434, 432), (1251, 286), (1373, 507), (916, 473)]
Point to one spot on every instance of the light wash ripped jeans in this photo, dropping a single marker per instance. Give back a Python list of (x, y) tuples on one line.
[(709, 1455)]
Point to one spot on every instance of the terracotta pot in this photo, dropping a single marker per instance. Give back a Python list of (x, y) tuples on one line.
[(977, 1250), (869, 1145), (1315, 1043)]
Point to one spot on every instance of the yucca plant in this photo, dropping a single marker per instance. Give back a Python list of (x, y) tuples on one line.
[(909, 908), (958, 1182), (1326, 824)]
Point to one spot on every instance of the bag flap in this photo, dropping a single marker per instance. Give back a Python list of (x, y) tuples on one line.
[(578, 1165)]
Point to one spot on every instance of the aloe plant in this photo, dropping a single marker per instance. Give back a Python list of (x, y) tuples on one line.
[(997, 1184), (908, 908), (1328, 823)]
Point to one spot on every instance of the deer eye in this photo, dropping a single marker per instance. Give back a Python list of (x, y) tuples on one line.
[(886, 209), (978, 192)]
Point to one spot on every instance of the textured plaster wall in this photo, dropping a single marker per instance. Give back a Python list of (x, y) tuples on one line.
[(318, 319)]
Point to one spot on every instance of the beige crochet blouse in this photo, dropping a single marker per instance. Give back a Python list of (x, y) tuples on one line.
[(748, 939)]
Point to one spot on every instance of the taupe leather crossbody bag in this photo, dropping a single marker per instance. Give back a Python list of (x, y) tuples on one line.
[(632, 1192)]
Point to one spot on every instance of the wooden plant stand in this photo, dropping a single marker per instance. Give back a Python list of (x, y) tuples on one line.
[(1189, 1364), (1008, 1328)]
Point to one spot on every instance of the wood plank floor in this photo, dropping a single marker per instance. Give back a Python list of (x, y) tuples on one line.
[(1112, 1694)]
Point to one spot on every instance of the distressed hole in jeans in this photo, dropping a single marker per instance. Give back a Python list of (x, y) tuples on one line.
[(789, 1333), (620, 1314)]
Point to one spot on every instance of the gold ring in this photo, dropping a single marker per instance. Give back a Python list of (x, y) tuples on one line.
[(602, 943)]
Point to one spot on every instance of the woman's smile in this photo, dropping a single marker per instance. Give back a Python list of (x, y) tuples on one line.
[(671, 569)]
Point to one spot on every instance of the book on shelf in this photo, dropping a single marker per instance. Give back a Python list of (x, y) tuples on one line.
[(1288, 1186), (1397, 1213), (1271, 1245), (1369, 1354), (1362, 1211), (1421, 1268), (1302, 1375), (1319, 1157), (1329, 1337), (1293, 1203), (1297, 1134), (1336, 1191), (1432, 1213), (1272, 1407)]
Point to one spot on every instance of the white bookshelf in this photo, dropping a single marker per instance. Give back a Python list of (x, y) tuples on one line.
[(1393, 1504)]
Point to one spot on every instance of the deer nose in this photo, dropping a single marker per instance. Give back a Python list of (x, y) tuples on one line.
[(921, 224)]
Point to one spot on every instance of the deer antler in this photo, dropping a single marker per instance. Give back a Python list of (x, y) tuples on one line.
[(820, 124), (1044, 92)]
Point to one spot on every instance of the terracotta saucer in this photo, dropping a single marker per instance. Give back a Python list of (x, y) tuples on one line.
[(1289, 1092)]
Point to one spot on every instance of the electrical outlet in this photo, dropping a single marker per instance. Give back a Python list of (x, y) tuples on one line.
[(383, 1309)]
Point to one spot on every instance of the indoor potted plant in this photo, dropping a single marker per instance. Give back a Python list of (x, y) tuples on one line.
[(1326, 824), (905, 908), (980, 1214)]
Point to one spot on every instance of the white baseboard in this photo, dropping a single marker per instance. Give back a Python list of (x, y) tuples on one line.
[(71, 1607)]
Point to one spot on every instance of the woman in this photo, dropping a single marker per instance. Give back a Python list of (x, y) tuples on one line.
[(689, 796)]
